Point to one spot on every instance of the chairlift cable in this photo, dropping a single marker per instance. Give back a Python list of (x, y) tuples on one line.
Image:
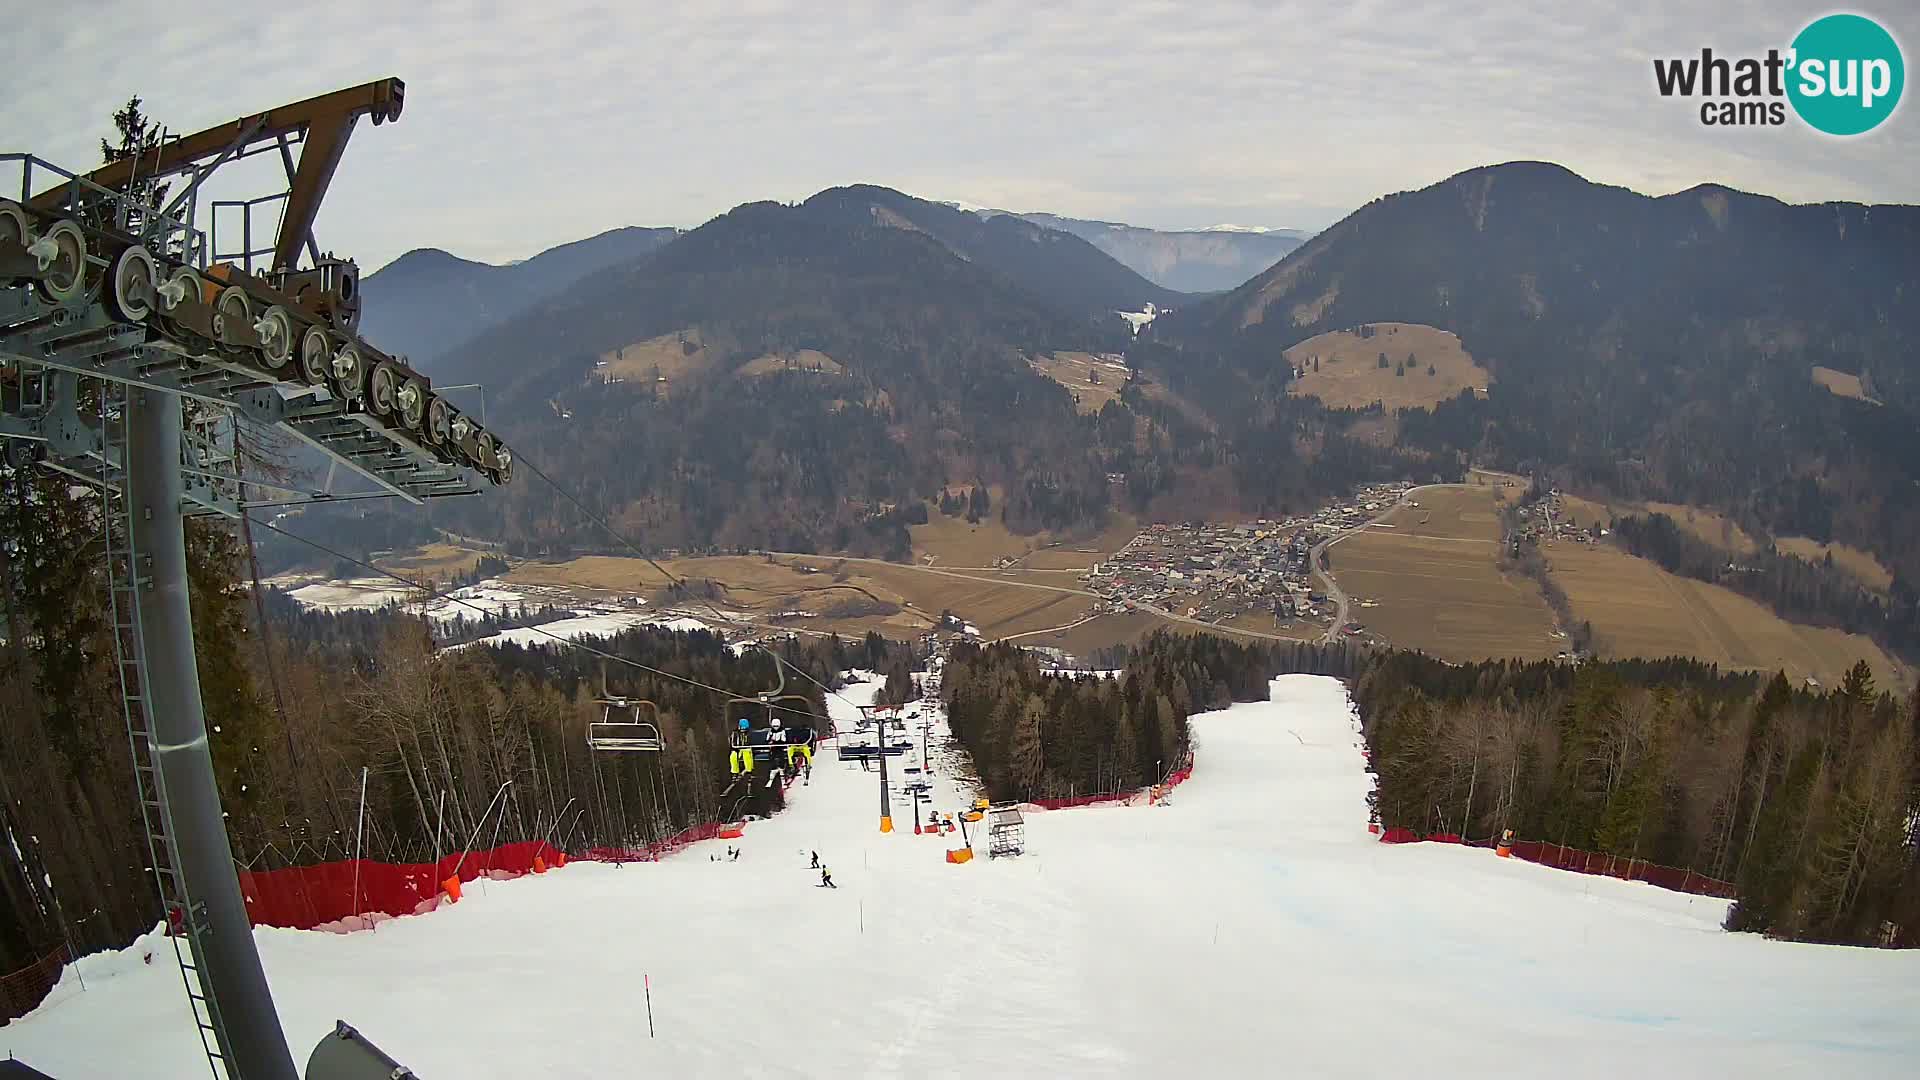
[(526, 463)]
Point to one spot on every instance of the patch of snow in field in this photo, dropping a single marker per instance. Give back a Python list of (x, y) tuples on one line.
[(589, 624), (353, 594), (488, 595)]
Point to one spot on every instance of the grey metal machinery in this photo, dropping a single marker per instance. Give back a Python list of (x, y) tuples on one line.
[(131, 352)]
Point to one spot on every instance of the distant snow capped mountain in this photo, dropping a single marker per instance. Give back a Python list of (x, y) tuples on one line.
[(1195, 260)]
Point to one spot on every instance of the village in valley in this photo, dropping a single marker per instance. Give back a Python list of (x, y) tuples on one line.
[(1216, 572)]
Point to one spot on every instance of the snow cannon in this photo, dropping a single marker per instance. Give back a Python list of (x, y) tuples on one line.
[(1505, 848)]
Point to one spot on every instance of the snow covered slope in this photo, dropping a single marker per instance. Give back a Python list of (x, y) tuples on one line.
[(1252, 928)]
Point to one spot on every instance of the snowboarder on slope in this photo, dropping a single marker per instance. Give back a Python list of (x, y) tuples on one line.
[(816, 860), (826, 879)]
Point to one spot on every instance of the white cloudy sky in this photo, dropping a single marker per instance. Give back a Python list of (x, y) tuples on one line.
[(530, 124)]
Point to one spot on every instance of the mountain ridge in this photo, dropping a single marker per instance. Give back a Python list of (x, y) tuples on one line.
[(426, 302), (1652, 346)]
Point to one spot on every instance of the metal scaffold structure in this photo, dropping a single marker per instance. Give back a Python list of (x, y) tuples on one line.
[(133, 351)]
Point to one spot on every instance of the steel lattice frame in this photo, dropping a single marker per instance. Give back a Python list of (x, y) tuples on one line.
[(97, 282)]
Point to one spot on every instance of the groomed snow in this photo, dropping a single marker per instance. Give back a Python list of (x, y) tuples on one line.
[(1252, 928)]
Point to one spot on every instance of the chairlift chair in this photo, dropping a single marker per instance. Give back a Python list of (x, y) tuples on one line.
[(757, 726), (626, 725)]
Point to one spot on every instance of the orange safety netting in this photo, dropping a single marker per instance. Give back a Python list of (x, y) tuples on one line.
[(22, 991)]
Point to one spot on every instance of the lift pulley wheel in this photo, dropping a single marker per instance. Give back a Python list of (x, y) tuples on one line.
[(133, 279), (63, 261)]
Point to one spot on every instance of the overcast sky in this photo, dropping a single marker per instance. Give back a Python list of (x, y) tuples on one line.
[(531, 124)]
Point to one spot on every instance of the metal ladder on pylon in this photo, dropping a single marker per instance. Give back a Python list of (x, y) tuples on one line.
[(125, 579)]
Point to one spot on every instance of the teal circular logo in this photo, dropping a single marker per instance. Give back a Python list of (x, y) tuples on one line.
[(1846, 74)]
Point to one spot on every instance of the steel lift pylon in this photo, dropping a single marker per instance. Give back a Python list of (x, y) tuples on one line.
[(131, 352)]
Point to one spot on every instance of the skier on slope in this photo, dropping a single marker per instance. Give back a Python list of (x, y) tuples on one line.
[(816, 860), (826, 879)]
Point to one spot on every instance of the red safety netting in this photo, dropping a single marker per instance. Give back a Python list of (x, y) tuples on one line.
[(1587, 862), (1116, 798), (304, 897), (659, 848), (1676, 878)]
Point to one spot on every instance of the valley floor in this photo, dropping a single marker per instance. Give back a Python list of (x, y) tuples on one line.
[(1252, 927)]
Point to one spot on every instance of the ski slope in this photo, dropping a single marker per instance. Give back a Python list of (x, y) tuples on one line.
[(1251, 928)]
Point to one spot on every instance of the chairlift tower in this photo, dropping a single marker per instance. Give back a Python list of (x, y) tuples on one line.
[(131, 350)]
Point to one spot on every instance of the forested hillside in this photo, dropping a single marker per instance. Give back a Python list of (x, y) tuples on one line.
[(1059, 266), (427, 302), (927, 386), (812, 381), (1805, 799), (1649, 348)]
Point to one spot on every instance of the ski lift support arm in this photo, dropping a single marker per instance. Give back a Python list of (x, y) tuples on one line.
[(322, 124)]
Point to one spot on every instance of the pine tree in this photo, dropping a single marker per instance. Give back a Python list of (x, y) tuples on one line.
[(1027, 757), (1769, 876), (1861, 852), (138, 135), (1126, 750)]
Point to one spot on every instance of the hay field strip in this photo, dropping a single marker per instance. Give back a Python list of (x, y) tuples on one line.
[(1431, 582), (1638, 609)]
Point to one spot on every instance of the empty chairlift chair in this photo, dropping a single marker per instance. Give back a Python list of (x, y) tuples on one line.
[(626, 726)]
